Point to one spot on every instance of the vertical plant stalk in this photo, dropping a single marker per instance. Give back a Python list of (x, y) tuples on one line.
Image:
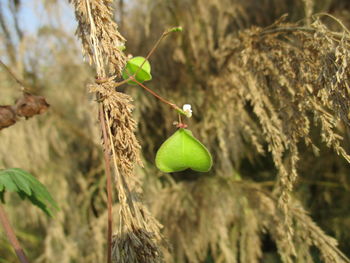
[(100, 39), (10, 233), (109, 183), (101, 74)]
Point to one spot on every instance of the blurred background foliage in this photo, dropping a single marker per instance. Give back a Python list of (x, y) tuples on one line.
[(62, 147)]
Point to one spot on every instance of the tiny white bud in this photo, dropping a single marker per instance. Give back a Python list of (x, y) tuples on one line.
[(187, 109)]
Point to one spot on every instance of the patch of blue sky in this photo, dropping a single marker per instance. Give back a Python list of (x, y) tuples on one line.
[(28, 18), (34, 15)]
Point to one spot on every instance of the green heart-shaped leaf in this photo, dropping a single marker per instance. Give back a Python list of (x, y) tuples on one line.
[(133, 65), (182, 151)]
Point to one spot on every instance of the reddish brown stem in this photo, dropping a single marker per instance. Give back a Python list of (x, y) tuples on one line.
[(12, 236), (151, 51), (109, 182), (165, 33), (156, 95), (133, 77)]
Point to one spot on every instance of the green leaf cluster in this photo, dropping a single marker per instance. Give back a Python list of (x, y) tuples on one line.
[(26, 186)]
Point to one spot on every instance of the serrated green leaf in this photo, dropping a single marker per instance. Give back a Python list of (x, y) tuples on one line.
[(39, 203), (22, 182), (6, 180), (39, 190), (182, 151), (133, 65)]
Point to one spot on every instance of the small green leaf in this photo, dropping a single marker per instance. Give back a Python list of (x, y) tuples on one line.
[(133, 66), (182, 151), (22, 182)]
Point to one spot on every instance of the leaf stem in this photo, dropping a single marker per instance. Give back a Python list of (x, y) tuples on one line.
[(155, 46), (10, 233), (133, 76), (173, 105)]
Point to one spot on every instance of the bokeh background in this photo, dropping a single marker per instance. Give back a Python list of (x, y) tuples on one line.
[(206, 217)]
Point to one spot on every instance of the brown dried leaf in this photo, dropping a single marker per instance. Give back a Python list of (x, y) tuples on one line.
[(7, 116), (31, 105)]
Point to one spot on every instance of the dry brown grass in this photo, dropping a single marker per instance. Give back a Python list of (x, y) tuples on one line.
[(227, 217)]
